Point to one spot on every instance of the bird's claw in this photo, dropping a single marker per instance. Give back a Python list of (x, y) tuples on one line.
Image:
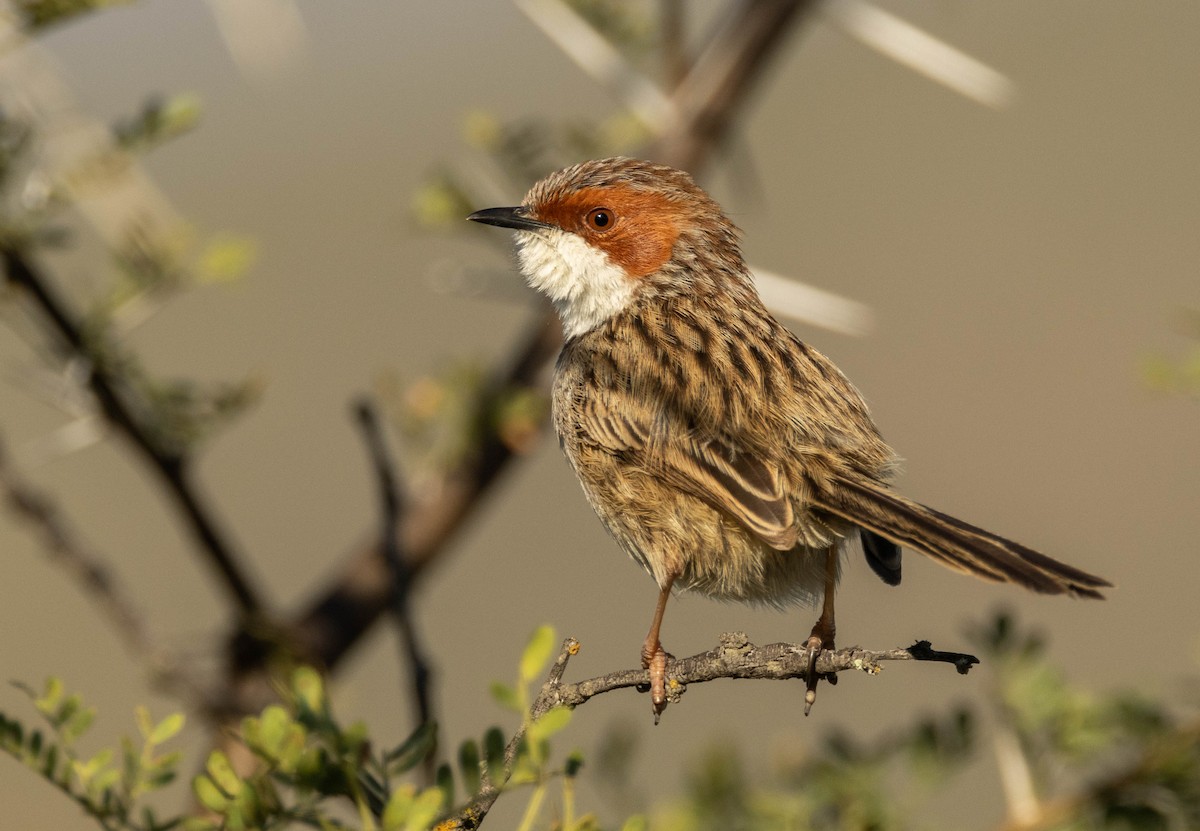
[(657, 665)]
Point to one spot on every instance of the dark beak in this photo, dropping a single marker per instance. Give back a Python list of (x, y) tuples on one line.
[(516, 218)]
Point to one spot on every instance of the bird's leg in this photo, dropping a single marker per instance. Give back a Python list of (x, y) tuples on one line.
[(654, 657), (824, 630)]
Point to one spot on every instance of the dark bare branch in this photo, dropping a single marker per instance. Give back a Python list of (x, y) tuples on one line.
[(91, 571), (420, 671), (171, 467)]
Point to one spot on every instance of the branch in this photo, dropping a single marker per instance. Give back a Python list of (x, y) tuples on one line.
[(734, 657), (737, 657), (172, 468), (708, 100), (90, 570), (419, 672)]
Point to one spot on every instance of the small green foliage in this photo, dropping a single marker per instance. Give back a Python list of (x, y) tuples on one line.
[(493, 748), (37, 14), (537, 652), (468, 765), (1178, 374), (108, 785), (160, 119), (441, 202), (506, 696)]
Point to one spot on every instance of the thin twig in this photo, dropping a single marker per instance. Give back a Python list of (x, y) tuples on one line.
[(672, 42), (420, 673), (708, 100), (91, 572), (473, 814)]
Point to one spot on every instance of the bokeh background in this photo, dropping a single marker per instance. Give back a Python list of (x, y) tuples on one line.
[(1022, 265)]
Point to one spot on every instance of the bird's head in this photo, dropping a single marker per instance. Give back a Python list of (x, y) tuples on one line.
[(594, 236)]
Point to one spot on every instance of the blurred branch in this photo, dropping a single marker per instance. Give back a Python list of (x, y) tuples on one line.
[(673, 42), (419, 670), (709, 99), (171, 467), (89, 570), (734, 657)]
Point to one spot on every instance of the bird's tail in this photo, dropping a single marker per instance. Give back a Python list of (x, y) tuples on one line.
[(954, 543)]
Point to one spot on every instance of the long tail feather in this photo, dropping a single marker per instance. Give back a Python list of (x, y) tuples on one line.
[(955, 543)]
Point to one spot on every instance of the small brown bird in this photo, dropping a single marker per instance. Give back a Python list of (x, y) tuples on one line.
[(723, 454)]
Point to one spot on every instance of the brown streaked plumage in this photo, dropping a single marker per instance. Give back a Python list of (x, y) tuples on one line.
[(724, 454)]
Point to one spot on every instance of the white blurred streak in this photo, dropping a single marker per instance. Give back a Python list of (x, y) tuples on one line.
[(803, 303), (118, 199), (33, 90), (265, 37), (599, 59), (922, 52), (70, 438)]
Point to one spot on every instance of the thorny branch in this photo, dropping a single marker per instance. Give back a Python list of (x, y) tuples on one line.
[(734, 657)]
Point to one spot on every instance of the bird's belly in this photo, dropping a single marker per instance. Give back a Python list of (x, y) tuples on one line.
[(671, 533)]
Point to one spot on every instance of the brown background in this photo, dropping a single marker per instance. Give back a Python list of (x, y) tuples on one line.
[(1021, 265)]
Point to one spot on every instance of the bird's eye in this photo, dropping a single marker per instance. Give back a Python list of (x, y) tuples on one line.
[(601, 219)]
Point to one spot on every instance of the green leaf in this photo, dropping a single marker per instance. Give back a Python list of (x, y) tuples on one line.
[(50, 763), (86, 771), (550, 723), (468, 764), (537, 653), (506, 696), (396, 813), (425, 810), (227, 258), (77, 723), (574, 764), (209, 794), (409, 753), (48, 702), (309, 690), (445, 781), (103, 782), (637, 822), (493, 749), (223, 774), (166, 729)]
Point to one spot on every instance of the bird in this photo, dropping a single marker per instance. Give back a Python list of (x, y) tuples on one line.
[(724, 454)]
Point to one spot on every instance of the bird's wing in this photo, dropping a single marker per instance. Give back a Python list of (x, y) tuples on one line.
[(697, 461)]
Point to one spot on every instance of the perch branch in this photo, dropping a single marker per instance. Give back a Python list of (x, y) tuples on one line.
[(734, 657)]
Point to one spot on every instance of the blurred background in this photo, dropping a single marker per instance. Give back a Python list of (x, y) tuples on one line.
[(1013, 266)]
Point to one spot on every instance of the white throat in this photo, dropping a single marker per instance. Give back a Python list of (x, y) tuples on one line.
[(586, 287)]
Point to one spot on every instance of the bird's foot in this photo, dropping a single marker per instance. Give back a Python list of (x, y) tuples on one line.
[(820, 640), (656, 662)]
